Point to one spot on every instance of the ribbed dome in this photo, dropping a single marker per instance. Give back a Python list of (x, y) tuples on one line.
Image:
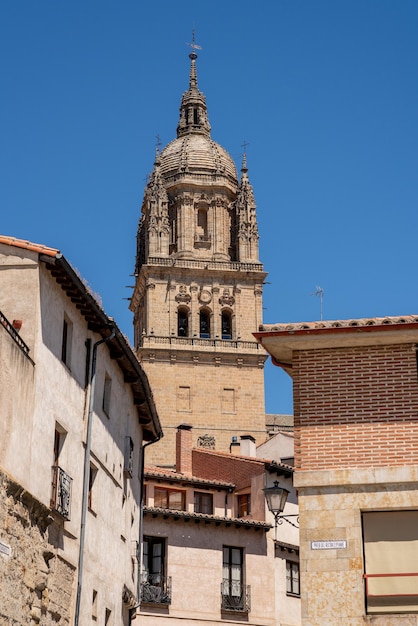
[(197, 154)]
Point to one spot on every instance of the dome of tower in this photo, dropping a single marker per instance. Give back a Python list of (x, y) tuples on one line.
[(197, 154)]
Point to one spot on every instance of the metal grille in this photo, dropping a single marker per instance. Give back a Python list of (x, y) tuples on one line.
[(61, 492), (155, 589), (235, 596)]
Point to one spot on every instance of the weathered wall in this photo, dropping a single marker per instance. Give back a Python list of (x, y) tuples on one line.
[(37, 586)]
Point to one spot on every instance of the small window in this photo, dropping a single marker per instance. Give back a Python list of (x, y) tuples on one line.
[(108, 613), (203, 503), (128, 464), (107, 390), (204, 322), (67, 336), (169, 499), (92, 478), (292, 578), (94, 606), (226, 325), (183, 323), (244, 504)]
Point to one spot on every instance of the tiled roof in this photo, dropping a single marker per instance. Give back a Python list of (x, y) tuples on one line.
[(172, 476), (203, 517), (82, 297), (28, 245), (363, 322)]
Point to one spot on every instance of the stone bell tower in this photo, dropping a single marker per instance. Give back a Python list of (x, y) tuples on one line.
[(198, 292)]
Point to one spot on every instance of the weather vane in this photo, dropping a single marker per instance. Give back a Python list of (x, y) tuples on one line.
[(319, 292), (193, 45)]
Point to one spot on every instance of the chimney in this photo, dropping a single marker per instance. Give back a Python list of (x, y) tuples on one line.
[(234, 447), (184, 449), (248, 446)]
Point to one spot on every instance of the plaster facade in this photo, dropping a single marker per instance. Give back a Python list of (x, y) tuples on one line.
[(216, 506), (355, 401), (47, 393)]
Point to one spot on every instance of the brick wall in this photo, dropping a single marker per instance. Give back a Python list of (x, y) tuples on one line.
[(356, 407), (237, 470)]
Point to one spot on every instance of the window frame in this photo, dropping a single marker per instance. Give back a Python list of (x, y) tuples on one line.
[(199, 502), (169, 492), (292, 578)]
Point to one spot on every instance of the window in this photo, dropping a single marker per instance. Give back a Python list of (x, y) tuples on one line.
[(155, 585), (235, 595), (94, 606), (204, 324), (203, 503), (67, 336), (108, 613), (183, 323), (244, 504), (292, 578), (226, 325), (107, 390), (61, 482), (169, 499), (128, 462), (390, 561), (92, 478)]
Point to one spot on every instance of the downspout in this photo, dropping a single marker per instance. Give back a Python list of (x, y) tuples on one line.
[(86, 476), (140, 528)]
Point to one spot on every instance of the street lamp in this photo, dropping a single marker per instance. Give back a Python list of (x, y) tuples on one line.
[(276, 497)]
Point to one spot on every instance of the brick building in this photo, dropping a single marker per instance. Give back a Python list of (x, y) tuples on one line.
[(198, 289), (356, 454)]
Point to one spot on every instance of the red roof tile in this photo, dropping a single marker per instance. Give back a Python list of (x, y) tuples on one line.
[(28, 245)]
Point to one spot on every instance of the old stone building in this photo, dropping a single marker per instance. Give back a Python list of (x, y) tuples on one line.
[(198, 292), (75, 411), (356, 455)]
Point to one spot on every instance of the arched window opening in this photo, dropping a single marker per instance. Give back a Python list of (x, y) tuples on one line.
[(226, 325), (183, 323), (195, 116), (201, 235), (204, 324)]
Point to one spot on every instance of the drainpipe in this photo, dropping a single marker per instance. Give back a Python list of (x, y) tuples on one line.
[(87, 475), (140, 531)]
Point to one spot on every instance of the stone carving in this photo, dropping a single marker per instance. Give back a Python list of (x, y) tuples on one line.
[(206, 441), (182, 295), (205, 296), (226, 298)]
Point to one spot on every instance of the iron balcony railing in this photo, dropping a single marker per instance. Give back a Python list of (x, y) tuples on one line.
[(235, 596), (155, 589), (61, 492)]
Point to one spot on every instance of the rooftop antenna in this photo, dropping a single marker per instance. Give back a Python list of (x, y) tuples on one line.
[(319, 292)]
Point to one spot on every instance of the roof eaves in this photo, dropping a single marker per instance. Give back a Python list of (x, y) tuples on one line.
[(207, 519)]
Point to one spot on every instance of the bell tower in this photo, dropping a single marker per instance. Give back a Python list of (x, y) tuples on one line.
[(198, 288)]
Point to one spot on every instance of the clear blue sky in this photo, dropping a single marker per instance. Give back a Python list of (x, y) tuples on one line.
[(324, 91)]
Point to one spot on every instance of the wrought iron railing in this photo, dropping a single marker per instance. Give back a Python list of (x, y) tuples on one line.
[(61, 492), (155, 589), (235, 596), (13, 333)]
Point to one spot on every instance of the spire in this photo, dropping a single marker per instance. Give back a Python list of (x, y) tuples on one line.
[(193, 111), (246, 216)]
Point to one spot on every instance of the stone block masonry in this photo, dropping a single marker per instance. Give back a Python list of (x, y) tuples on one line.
[(36, 583)]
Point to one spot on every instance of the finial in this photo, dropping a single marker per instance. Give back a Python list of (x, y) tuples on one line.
[(194, 47), (157, 146), (244, 156)]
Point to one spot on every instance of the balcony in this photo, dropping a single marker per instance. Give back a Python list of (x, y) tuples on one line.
[(155, 589), (61, 492), (235, 596)]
